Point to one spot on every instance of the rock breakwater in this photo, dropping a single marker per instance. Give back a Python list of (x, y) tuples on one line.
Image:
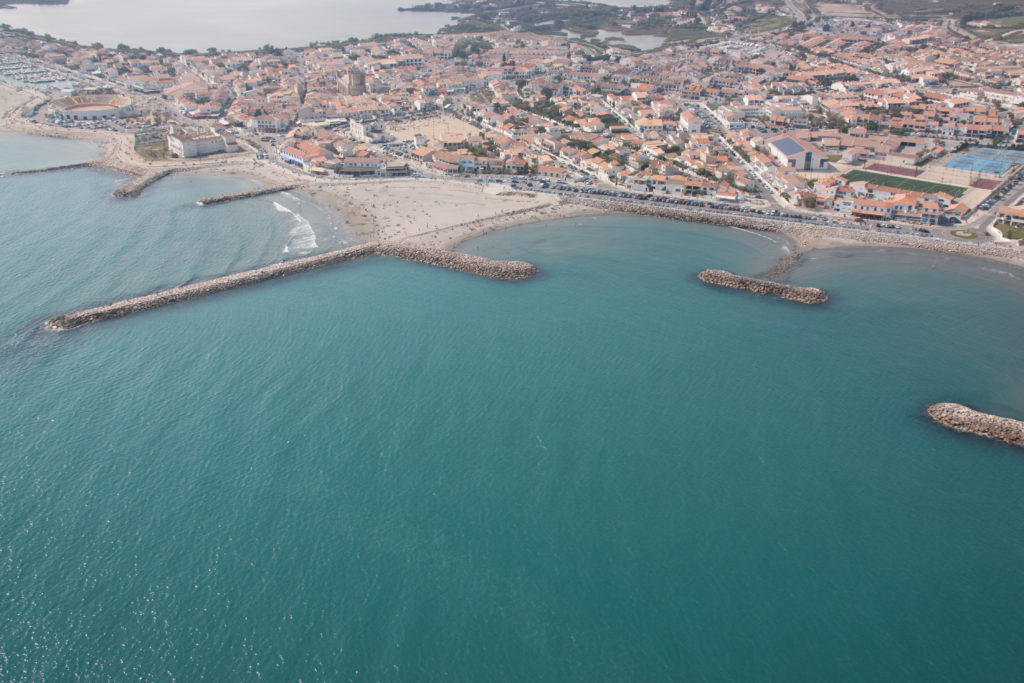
[(966, 420), (798, 229), (134, 188), (467, 263), (804, 295), (210, 201), (65, 167)]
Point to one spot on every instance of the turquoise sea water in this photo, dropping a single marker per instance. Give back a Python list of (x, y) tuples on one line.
[(385, 471)]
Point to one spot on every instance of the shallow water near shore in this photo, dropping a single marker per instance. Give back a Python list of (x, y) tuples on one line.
[(20, 152), (388, 471)]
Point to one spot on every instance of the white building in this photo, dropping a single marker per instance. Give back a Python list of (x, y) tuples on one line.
[(794, 153), (368, 131), (690, 122), (187, 146)]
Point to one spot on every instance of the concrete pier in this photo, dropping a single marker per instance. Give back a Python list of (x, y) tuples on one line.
[(966, 420), (804, 295), (476, 265), (134, 188), (210, 201)]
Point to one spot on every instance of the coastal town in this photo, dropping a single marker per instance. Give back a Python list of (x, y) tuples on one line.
[(836, 117), (511, 340)]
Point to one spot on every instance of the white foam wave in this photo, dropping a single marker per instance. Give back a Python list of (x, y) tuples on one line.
[(755, 233), (302, 237), (997, 271)]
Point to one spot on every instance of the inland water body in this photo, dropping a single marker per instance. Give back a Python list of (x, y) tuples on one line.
[(385, 471), (228, 24)]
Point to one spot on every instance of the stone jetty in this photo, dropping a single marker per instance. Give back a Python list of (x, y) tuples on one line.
[(969, 421), (210, 201), (467, 263), (65, 167), (723, 278), (134, 188)]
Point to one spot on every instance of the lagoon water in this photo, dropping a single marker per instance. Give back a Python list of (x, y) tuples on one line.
[(228, 24), (385, 471), (225, 24)]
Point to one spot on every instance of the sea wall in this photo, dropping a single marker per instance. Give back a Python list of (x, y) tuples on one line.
[(800, 229), (476, 265), (134, 188), (969, 421), (723, 278), (210, 201)]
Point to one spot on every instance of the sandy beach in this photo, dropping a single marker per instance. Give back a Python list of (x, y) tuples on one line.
[(441, 212), (421, 211)]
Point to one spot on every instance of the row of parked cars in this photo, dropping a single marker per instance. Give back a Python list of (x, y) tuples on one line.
[(988, 203)]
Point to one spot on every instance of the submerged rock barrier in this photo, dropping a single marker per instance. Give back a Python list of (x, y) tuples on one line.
[(966, 420), (723, 278), (65, 167), (476, 265), (210, 201), (133, 188)]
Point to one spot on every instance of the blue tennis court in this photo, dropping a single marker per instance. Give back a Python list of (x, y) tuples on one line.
[(987, 160)]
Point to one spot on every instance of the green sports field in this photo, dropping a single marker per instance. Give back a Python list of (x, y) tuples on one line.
[(905, 183)]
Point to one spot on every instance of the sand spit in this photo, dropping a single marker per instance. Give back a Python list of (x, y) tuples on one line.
[(475, 265), (804, 295), (969, 421)]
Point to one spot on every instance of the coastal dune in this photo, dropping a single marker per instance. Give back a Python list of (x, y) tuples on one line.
[(966, 420), (804, 295), (467, 263)]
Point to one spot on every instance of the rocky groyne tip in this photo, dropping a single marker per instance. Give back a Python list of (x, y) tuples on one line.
[(804, 295), (966, 420), (134, 188)]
